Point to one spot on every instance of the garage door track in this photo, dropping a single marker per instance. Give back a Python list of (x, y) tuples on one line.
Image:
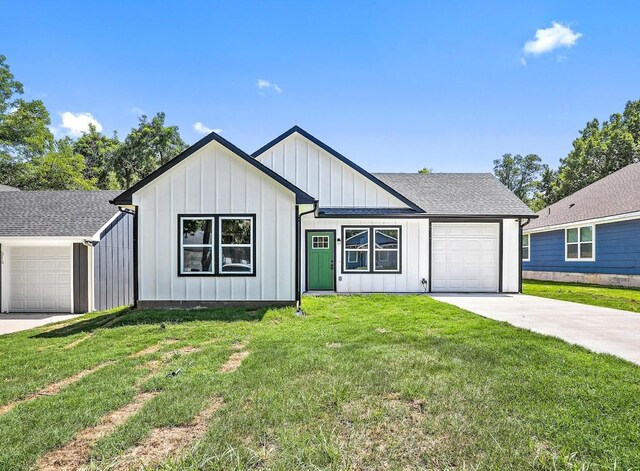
[(599, 329)]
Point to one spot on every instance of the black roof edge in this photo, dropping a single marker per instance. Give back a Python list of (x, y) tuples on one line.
[(426, 216), (125, 197), (340, 157)]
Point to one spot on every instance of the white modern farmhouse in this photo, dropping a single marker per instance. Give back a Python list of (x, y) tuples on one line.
[(218, 226)]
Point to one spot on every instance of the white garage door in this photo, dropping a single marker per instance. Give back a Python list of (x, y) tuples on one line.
[(464, 257), (40, 279)]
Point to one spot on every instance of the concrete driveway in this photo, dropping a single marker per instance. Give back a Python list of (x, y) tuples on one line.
[(599, 329), (10, 323)]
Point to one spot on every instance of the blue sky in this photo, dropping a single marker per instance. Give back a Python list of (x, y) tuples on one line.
[(395, 86)]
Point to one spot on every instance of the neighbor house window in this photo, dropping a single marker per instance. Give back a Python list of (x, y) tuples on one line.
[(236, 245), (579, 243), (525, 248), (196, 250), (205, 239), (371, 249)]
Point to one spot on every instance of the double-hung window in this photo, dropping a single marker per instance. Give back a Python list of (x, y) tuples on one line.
[(371, 249), (216, 245), (526, 248), (580, 244)]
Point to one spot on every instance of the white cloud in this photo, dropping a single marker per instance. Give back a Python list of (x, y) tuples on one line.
[(74, 124), (202, 129), (266, 85), (549, 39)]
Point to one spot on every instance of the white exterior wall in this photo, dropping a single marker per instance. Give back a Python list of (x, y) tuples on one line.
[(213, 180), (414, 253), (510, 256), (325, 177)]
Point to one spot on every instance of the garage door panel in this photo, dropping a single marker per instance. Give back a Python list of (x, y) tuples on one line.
[(465, 257), (40, 279)]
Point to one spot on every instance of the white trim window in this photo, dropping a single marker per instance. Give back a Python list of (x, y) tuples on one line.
[(386, 249), (356, 249), (580, 244), (236, 250), (320, 242), (196, 245), (526, 247)]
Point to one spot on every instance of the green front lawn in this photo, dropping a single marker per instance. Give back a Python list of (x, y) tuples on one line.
[(361, 382), (614, 297)]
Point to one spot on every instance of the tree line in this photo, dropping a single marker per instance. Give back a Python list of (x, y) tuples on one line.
[(599, 150), (31, 158)]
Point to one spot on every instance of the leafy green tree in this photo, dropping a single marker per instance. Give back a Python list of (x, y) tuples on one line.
[(58, 169), (520, 174), (425, 170), (24, 131), (99, 152), (145, 148), (599, 151)]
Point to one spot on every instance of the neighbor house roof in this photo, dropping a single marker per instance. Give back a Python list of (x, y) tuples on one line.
[(613, 195), (301, 197), (55, 213), (8, 188), (457, 194)]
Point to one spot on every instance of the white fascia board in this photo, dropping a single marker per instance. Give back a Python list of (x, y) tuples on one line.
[(42, 241), (586, 222), (96, 236)]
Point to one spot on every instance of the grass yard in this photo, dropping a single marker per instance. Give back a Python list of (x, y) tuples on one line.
[(627, 299), (361, 382)]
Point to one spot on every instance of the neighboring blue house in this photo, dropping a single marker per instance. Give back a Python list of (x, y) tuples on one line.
[(592, 236)]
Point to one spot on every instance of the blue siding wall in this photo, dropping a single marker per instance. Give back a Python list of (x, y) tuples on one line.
[(617, 251)]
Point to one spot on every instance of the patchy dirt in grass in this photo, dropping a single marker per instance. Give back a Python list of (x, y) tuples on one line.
[(55, 388), (75, 453), (188, 350), (152, 348), (167, 442), (382, 330), (334, 345), (390, 433), (234, 362), (77, 342), (239, 345)]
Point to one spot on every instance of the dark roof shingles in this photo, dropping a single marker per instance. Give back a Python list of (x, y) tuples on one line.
[(55, 213), (613, 195), (457, 194)]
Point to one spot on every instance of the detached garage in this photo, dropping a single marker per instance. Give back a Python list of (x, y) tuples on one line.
[(64, 252)]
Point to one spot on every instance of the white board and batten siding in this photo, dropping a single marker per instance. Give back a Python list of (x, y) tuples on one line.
[(510, 255), (414, 256), (323, 176), (213, 180)]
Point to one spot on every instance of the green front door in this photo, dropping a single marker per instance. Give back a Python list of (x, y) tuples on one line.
[(320, 261)]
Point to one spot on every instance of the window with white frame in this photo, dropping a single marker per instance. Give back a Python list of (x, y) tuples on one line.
[(371, 249), (526, 248), (236, 245), (227, 239), (196, 245), (320, 242), (580, 243)]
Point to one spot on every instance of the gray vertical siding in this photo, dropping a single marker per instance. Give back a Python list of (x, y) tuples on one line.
[(80, 279), (113, 264)]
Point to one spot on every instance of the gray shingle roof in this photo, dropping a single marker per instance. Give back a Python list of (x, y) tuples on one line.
[(8, 188), (457, 194), (615, 194), (55, 213)]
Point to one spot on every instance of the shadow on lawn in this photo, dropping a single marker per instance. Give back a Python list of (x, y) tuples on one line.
[(130, 317)]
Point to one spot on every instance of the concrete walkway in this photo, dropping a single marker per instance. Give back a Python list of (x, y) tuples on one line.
[(10, 323), (599, 329)]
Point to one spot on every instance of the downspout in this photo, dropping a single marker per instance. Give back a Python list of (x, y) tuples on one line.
[(299, 255), (135, 251), (520, 253)]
